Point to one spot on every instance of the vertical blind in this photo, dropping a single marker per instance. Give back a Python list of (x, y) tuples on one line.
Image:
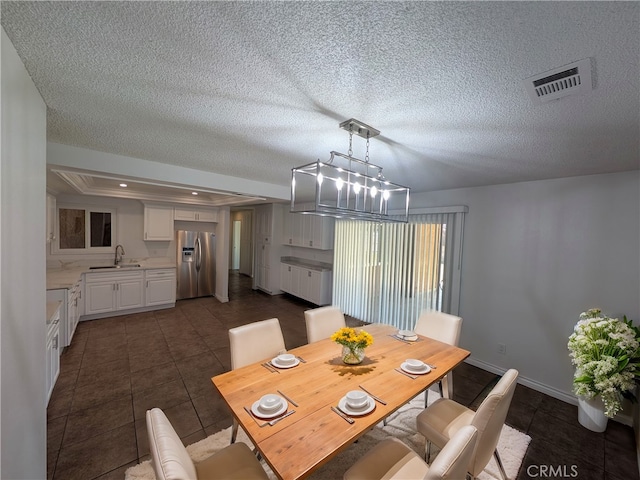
[(390, 272)]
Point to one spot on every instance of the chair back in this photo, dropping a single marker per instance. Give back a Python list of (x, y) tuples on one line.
[(451, 463), (170, 459), (255, 341), (489, 419), (440, 326), (322, 322)]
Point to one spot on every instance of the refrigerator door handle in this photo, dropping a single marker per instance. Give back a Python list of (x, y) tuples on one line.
[(198, 253)]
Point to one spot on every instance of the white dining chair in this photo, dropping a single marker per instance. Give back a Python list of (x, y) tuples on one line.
[(251, 343), (393, 460), (444, 417), (322, 322), (443, 327), (171, 460)]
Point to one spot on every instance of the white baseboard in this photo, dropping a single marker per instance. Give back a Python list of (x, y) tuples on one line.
[(221, 298), (625, 419)]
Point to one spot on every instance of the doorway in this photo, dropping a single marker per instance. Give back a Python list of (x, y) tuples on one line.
[(235, 245), (241, 252)]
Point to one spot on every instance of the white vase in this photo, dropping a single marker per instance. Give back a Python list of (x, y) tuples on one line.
[(591, 414)]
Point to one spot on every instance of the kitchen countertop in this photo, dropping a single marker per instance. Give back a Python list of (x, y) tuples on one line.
[(306, 263), (51, 309), (68, 276)]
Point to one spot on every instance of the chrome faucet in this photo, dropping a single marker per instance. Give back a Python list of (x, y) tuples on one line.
[(118, 260)]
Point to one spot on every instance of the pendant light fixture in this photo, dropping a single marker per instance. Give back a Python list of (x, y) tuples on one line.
[(347, 187)]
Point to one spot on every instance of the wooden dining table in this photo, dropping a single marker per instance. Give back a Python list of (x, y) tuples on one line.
[(299, 444)]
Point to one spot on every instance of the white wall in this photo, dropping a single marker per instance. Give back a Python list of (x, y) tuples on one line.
[(535, 255), (23, 417)]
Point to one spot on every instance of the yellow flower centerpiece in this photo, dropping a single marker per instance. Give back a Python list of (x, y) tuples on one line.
[(353, 344)]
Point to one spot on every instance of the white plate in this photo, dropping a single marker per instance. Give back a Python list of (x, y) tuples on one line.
[(410, 338), (342, 405), (408, 335), (258, 412), (277, 364), (408, 369)]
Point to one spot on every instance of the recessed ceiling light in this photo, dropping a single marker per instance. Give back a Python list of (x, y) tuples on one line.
[(194, 193), (123, 185)]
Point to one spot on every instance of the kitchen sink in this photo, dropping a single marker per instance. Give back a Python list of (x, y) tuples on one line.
[(128, 265)]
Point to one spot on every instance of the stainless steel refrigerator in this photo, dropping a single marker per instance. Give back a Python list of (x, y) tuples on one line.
[(196, 269)]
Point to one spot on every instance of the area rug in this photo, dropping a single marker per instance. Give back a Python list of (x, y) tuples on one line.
[(401, 424)]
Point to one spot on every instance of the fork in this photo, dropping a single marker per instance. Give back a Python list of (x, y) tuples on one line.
[(273, 422)]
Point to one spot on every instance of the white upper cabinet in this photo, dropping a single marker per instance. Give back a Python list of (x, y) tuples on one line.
[(196, 214), (158, 222), (310, 231)]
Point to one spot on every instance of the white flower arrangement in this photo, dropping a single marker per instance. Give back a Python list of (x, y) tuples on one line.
[(606, 353)]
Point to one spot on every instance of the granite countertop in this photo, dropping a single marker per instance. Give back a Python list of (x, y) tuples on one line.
[(306, 263), (68, 276)]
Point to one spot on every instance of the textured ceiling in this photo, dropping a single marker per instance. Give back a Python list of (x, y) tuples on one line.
[(252, 89)]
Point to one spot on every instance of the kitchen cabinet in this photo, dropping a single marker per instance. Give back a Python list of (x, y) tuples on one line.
[(75, 308), (309, 284), (51, 218), (268, 219), (318, 232), (264, 223), (309, 231), (53, 349), (66, 323), (195, 214), (286, 278), (158, 222), (293, 228), (113, 291), (160, 287), (263, 266)]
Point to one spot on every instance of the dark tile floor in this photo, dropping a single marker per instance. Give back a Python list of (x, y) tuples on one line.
[(117, 368)]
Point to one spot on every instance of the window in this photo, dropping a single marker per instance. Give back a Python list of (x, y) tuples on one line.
[(390, 272), (85, 230)]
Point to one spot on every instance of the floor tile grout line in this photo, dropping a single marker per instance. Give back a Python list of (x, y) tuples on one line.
[(233, 318)]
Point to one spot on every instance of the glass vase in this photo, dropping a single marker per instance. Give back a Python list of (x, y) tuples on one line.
[(352, 355)]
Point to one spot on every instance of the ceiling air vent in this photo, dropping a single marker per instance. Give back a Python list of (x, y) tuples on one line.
[(567, 80)]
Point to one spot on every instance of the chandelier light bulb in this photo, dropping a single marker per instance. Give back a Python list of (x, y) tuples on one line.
[(361, 190)]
